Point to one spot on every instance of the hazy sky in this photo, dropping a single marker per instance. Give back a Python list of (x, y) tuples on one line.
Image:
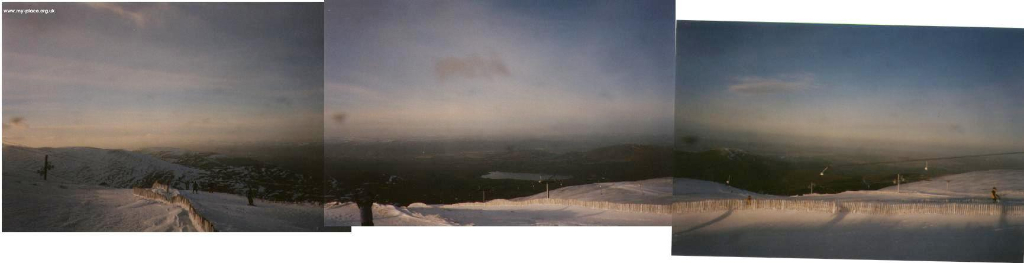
[(152, 74), (885, 85), (398, 69)]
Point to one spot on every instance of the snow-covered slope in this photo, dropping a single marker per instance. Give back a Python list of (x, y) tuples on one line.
[(232, 213), (31, 204), (73, 200), (651, 191), (84, 165), (347, 214), (762, 233), (686, 189), (973, 185), (655, 191), (540, 215), (1010, 184), (787, 233)]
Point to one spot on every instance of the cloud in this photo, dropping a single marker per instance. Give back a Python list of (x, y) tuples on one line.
[(136, 16), (16, 123), (352, 90), (782, 84), (472, 66), (957, 128), (339, 117)]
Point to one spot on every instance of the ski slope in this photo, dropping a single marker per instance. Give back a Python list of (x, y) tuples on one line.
[(971, 185), (655, 191), (765, 233), (1010, 184), (31, 204), (347, 214), (232, 213), (540, 215)]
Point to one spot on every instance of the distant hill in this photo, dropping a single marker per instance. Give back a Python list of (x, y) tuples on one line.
[(85, 165), (177, 167), (778, 175), (625, 153), (231, 174), (199, 160)]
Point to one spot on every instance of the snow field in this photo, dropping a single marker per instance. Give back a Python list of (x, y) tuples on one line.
[(642, 203)]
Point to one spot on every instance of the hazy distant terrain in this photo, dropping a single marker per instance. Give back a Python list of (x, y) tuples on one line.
[(444, 172), (278, 172)]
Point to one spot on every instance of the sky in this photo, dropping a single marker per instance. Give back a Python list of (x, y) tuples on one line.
[(498, 69), (911, 88), (134, 75)]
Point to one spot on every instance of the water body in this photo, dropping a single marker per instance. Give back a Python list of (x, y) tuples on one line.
[(524, 176)]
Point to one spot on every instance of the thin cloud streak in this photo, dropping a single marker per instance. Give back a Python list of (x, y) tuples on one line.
[(472, 66), (760, 85)]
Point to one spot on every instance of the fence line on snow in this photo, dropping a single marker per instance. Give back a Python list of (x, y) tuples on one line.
[(605, 205), (760, 204), (198, 220), (158, 185), (863, 207), (941, 207)]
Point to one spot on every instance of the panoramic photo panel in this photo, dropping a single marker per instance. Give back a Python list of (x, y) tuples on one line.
[(849, 142), (162, 117), (498, 112)]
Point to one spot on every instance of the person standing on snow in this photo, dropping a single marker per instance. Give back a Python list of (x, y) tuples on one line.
[(995, 197), (249, 194)]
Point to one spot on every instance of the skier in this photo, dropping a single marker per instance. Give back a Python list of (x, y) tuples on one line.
[(995, 197), (195, 187), (249, 194)]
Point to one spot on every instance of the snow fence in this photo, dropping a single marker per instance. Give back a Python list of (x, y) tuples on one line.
[(762, 204), (604, 205), (158, 185), (939, 207), (198, 221)]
